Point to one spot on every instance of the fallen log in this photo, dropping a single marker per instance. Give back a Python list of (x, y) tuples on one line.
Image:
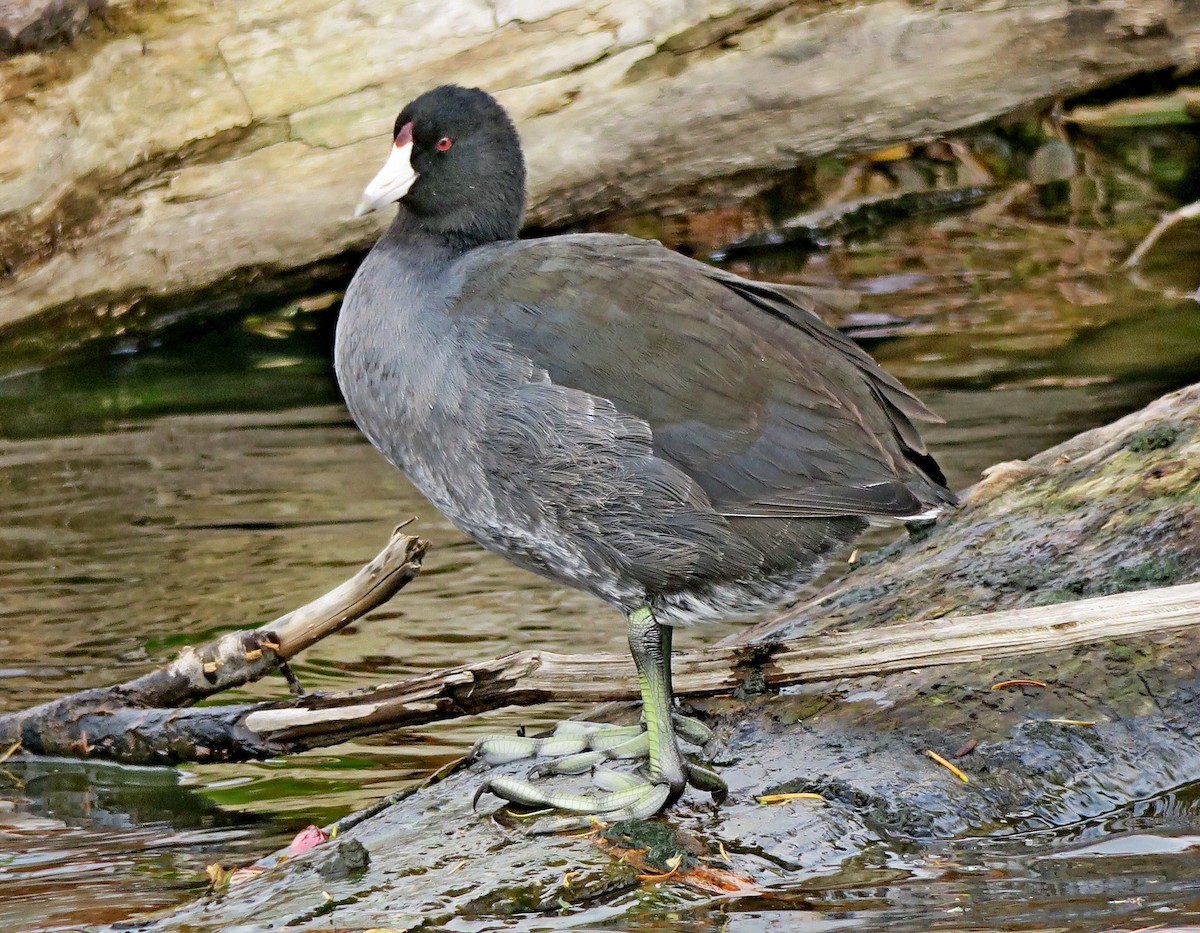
[(1048, 739), (117, 723), (183, 197)]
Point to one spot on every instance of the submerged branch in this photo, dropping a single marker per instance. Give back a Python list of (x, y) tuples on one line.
[(1165, 223)]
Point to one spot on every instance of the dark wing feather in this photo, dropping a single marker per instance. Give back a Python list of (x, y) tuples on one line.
[(801, 307), (768, 409)]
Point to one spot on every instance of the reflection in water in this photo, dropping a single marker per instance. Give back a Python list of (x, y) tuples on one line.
[(158, 498), (67, 829)]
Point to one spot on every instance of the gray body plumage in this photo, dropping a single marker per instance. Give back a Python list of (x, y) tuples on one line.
[(625, 420)]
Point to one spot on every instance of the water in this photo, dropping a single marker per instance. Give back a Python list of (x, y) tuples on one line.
[(156, 498)]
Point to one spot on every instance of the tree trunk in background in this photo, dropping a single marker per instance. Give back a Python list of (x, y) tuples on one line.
[(1113, 723), (184, 155)]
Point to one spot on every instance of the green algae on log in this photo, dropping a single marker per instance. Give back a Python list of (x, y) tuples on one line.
[(179, 153), (1117, 721)]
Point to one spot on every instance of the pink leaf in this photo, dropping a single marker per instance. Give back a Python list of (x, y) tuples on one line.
[(306, 839)]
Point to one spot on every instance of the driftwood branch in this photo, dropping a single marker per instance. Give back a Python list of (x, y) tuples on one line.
[(242, 657), (1165, 223), (232, 733), (74, 725)]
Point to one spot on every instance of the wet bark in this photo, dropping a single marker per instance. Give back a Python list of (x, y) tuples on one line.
[(120, 209), (1087, 729)]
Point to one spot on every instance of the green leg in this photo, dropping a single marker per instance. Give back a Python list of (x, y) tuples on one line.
[(668, 634), (578, 747), (650, 644)]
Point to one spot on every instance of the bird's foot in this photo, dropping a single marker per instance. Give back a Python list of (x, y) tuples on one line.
[(577, 747), (625, 797)]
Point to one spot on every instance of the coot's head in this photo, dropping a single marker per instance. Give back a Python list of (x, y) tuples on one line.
[(455, 165)]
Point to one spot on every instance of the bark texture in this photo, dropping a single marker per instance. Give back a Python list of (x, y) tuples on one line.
[(184, 156)]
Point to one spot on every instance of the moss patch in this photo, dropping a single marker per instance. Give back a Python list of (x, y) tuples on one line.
[(658, 840), (1148, 573), (1155, 437)]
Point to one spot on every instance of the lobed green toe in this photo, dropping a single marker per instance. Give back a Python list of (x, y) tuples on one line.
[(631, 798), (577, 747), (692, 731), (707, 780)]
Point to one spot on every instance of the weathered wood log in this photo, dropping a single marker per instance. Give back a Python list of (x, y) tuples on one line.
[(1113, 509), (117, 724), (184, 195)]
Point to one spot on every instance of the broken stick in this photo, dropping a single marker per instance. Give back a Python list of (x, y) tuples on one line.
[(1165, 223), (77, 724)]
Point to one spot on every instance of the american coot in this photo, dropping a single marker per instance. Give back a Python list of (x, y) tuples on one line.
[(680, 442)]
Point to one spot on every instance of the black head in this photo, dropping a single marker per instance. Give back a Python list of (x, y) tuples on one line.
[(456, 166)]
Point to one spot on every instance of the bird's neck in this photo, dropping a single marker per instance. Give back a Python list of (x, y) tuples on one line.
[(412, 242), (447, 236)]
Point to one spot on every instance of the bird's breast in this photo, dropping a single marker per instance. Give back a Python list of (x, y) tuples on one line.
[(409, 384)]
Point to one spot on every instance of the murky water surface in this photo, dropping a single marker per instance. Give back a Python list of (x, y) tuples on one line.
[(155, 498)]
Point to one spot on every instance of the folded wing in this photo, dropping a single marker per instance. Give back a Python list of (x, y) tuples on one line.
[(769, 410)]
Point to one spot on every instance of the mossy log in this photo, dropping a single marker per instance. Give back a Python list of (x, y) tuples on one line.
[(1117, 508), (184, 156)]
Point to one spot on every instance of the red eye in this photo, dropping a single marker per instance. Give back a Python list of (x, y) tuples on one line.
[(444, 143)]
